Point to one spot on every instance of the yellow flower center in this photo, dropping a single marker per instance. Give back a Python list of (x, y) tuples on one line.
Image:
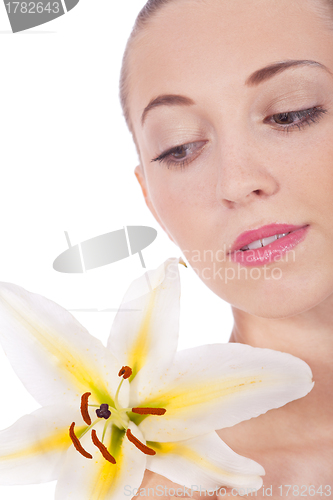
[(114, 415)]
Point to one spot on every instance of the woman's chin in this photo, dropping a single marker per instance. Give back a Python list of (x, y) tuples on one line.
[(276, 298)]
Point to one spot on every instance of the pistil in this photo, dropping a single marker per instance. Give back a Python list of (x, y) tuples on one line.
[(103, 411)]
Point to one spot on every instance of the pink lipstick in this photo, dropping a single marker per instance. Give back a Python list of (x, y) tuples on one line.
[(266, 244)]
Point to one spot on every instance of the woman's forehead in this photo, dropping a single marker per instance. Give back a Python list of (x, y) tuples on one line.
[(192, 45)]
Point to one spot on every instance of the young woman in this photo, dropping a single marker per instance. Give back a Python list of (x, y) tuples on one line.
[(230, 103)]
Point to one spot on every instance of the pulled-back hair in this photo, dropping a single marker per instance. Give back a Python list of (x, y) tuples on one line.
[(146, 13)]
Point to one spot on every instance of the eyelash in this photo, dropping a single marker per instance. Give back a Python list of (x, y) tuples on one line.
[(166, 156), (307, 117)]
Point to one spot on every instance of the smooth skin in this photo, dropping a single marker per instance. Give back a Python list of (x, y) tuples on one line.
[(246, 169)]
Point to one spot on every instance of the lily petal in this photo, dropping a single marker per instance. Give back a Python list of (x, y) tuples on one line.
[(206, 462), (145, 337), (219, 385), (98, 479), (51, 352), (33, 449)]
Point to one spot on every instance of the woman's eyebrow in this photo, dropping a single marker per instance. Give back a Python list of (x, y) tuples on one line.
[(166, 100), (255, 78), (263, 74)]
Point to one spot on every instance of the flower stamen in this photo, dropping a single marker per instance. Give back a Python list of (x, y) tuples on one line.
[(102, 448), (104, 431), (149, 411), (125, 372), (84, 408), (142, 447), (77, 443)]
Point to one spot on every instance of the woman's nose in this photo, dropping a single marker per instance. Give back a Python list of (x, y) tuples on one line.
[(244, 176)]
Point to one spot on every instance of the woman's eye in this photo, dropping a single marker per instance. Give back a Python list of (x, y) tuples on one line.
[(299, 119), (179, 156), (283, 118), (181, 152)]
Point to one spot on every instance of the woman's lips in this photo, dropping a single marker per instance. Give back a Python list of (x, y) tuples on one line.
[(271, 252)]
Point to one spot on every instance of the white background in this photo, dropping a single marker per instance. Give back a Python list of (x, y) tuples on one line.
[(67, 163)]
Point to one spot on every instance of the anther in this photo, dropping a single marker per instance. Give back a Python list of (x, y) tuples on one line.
[(149, 411), (77, 443), (102, 448), (103, 411), (84, 408), (125, 372), (142, 447)]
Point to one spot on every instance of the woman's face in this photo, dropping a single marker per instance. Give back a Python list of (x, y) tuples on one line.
[(244, 149)]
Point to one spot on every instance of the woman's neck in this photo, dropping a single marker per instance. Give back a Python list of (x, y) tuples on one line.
[(308, 336)]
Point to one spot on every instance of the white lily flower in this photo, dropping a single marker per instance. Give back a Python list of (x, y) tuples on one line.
[(108, 413)]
